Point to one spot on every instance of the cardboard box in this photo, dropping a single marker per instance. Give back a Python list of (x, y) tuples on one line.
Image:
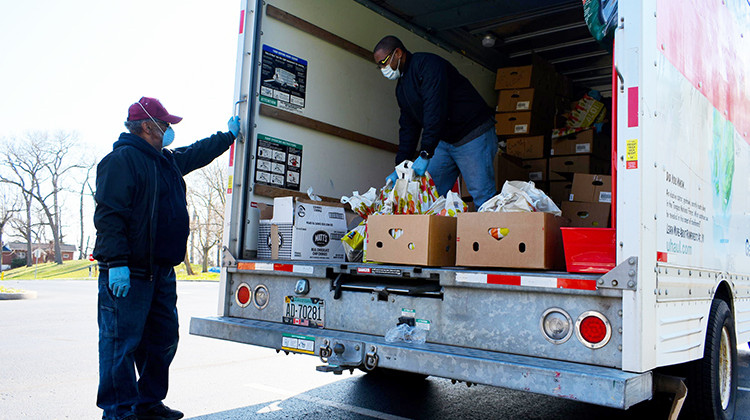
[(300, 229), (563, 167), (520, 123), (508, 168), (539, 74), (582, 142), (591, 215), (591, 188), (537, 169), (527, 147), (512, 100), (559, 191), (412, 239), (533, 240)]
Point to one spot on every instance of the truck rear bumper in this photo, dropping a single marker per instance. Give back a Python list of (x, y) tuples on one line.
[(591, 384)]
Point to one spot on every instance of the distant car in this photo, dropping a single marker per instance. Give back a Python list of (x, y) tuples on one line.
[(214, 270), (5, 267)]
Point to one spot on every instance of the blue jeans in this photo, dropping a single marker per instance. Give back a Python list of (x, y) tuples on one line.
[(474, 160), (139, 331)]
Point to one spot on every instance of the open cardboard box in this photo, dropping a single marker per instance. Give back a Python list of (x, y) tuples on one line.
[(533, 240), (301, 229), (412, 239), (590, 215)]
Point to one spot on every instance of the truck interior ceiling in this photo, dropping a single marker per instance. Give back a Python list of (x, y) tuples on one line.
[(502, 33)]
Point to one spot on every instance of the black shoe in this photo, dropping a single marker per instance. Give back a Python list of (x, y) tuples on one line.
[(160, 412)]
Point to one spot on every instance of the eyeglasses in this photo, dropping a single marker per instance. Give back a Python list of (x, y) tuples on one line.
[(384, 61), (166, 124)]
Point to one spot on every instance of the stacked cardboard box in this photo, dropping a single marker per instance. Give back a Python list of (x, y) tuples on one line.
[(300, 229), (526, 99), (590, 201)]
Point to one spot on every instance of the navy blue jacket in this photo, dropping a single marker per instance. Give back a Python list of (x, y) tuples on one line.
[(127, 197), (436, 100)]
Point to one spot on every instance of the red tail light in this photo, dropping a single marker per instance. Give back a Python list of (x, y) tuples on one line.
[(243, 295), (593, 329)]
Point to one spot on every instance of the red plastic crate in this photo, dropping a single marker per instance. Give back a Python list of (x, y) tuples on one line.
[(589, 250)]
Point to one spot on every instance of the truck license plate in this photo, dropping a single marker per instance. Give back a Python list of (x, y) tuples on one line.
[(306, 312)]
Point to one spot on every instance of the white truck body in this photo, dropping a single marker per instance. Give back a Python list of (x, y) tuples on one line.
[(682, 100)]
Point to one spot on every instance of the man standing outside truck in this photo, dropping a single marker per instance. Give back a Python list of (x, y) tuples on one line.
[(456, 124), (142, 226)]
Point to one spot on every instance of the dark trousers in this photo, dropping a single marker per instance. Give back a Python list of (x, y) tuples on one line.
[(139, 331)]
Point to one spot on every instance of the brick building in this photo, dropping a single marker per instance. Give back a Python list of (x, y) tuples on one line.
[(46, 253)]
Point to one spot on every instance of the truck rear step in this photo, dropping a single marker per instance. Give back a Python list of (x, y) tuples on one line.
[(591, 384)]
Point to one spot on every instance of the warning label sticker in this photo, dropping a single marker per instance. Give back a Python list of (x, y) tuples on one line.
[(631, 157)]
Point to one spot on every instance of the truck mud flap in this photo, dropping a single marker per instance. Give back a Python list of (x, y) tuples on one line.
[(591, 384)]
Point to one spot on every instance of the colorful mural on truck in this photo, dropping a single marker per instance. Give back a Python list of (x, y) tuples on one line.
[(703, 100)]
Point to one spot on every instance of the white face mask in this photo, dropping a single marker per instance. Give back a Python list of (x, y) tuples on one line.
[(389, 73)]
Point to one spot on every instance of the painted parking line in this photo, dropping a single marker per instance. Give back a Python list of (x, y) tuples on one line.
[(742, 388), (275, 405), (350, 408)]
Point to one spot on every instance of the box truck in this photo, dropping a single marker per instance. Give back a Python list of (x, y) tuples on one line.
[(667, 317)]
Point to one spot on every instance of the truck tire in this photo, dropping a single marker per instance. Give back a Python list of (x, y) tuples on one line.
[(712, 380)]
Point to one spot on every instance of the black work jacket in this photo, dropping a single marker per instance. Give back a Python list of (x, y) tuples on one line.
[(436, 100), (127, 196)]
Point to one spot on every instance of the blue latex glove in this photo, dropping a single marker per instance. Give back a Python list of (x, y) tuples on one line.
[(391, 179), (420, 166), (234, 125), (119, 281)]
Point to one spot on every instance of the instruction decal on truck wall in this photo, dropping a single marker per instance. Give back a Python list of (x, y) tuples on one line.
[(283, 79), (278, 162), (631, 157)]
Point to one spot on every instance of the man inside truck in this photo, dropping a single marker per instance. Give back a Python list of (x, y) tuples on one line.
[(142, 226), (456, 124)]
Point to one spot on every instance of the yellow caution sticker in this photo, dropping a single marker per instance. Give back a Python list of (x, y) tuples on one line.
[(631, 156)]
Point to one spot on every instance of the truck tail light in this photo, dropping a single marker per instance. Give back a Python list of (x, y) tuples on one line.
[(593, 329), (243, 295), (556, 325)]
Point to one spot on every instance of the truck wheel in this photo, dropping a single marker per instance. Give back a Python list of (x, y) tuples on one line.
[(712, 381)]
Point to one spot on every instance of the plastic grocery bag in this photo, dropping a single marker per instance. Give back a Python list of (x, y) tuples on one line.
[(364, 205), (354, 242), (450, 205), (520, 196), (312, 195), (411, 194), (406, 333)]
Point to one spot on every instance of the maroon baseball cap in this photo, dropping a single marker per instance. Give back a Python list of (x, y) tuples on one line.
[(151, 107)]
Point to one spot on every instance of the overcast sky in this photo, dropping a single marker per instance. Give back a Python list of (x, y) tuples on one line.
[(77, 65)]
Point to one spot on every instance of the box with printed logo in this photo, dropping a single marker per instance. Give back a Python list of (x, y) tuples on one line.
[(300, 229)]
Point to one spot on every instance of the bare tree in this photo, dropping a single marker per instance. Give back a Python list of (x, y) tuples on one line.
[(207, 198), (40, 165), (85, 187), (25, 170), (58, 165), (9, 206)]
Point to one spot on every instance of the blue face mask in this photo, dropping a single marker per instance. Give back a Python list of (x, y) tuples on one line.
[(168, 137)]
